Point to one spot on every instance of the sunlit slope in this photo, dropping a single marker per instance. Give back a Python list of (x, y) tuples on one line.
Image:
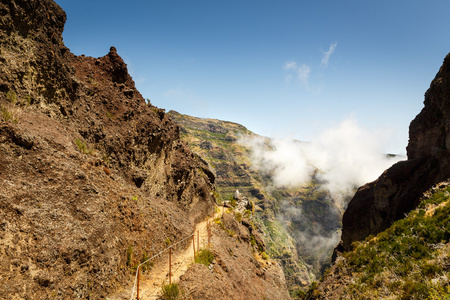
[(409, 260), (300, 223)]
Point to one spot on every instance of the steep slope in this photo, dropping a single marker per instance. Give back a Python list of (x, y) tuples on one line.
[(233, 263), (300, 224), (92, 177), (409, 260), (377, 205)]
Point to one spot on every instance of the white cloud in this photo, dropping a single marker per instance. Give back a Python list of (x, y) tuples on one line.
[(346, 156), (327, 55), (290, 65), (301, 72)]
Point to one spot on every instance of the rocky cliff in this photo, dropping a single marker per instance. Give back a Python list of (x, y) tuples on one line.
[(92, 177), (378, 204)]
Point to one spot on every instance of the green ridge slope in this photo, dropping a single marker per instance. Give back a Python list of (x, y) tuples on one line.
[(288, 217), (409, 260)]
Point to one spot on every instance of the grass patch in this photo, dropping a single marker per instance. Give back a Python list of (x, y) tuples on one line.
[(12, 97), (171, 291), (9, 115), (129, 254), (204, 257), (83, 147), (148, 265), (408, 258)]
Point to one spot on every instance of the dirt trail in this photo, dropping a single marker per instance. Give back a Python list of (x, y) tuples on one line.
[(182, 259)]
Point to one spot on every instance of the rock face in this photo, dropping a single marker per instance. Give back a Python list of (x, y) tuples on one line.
[(91, 176), (398, 190)]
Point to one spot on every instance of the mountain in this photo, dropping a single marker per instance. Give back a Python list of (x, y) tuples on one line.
[(396, 233), (408, 260), (378, 204), (93, 179), (300, 224)]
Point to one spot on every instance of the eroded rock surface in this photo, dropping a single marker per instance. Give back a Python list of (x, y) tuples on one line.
[(91, 176)]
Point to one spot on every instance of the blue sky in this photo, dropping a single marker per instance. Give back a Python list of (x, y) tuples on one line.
[(277, 67)]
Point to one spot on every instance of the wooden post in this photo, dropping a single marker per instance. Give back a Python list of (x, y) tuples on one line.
[(139, 271), (193, 244), (198, 241), (170, 265)]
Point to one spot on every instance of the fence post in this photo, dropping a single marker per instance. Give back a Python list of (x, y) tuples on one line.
[(193, 244), (170, 265), (139, 271)]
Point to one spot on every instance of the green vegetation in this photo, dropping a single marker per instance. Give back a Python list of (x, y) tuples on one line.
[(129, 255), (8, 115), (11, 96), (83, 147), (264, 255), (204, 257), (409, 260), (171, 291), (148, 265), (217, 142)]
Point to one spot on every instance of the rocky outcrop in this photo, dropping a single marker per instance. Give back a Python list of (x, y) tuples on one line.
[(92, 177), (378, 204)]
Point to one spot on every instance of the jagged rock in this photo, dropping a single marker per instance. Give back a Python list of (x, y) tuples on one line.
[(377, 205), (89, 169)]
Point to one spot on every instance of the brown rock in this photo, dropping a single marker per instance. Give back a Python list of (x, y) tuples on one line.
[(88, 171)]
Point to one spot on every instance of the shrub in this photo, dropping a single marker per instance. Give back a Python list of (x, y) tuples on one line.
[(129, 254), (148, 265), (11, 95), (83, 147), (171, 291), (264, 255), (9, 116), (204, 257)]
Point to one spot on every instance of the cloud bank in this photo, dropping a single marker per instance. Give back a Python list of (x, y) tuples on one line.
[(346, 157)]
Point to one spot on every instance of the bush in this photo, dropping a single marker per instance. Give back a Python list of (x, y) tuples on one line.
[(9, 116), (129, 254), (171, 291), (82, 147), (264, 255), (148, 265), (204, 257)]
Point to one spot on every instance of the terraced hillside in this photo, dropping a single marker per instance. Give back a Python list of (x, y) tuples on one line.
[(301, 224)]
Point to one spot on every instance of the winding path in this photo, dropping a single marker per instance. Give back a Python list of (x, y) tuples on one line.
[(182, 259)]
